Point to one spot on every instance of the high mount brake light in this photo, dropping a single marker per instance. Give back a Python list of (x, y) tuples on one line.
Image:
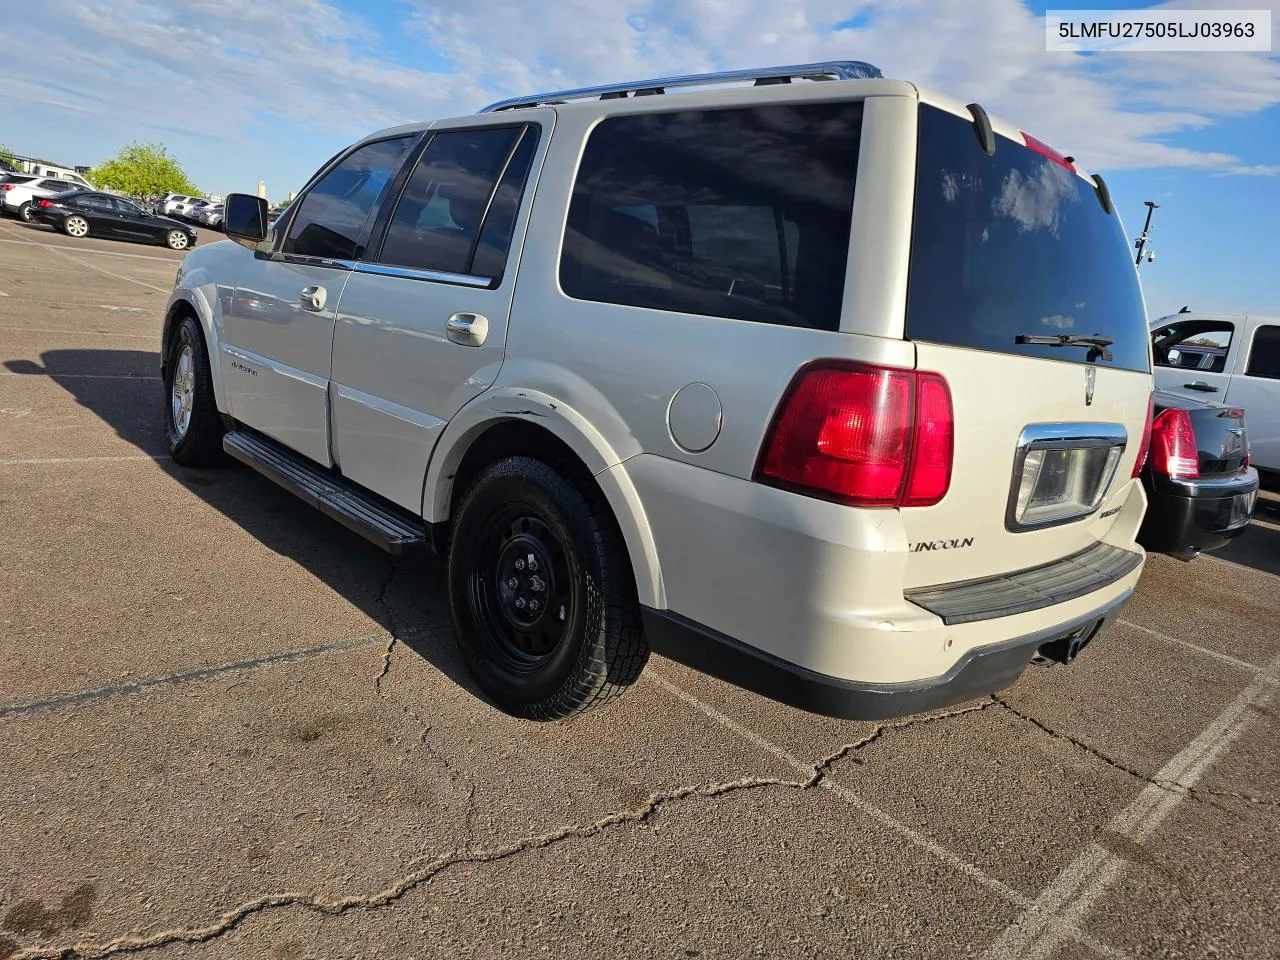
[(1042, 148), (862, 435)]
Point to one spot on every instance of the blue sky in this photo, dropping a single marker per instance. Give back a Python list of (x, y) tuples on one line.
[(243, 90)]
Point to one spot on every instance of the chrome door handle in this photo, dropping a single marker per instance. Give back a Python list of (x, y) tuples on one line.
[(468, 329), (313, 297)]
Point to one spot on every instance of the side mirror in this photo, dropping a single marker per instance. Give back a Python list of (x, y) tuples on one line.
[(245, 219)]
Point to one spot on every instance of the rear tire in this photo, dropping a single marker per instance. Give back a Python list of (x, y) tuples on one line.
[(75, 227), (542, 593), (193, 427), (24, 212)]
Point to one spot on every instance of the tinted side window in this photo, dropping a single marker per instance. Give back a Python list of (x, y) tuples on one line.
[(445, 203), (1193, 345), (1264, 358), (95, 202), (332, 215), (495, 236), (740, 213)]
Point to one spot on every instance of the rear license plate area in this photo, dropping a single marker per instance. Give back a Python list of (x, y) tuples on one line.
[(1062, 472), (1241, 508)]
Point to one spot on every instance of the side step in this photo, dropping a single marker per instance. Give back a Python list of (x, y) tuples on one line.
[(385, 524)]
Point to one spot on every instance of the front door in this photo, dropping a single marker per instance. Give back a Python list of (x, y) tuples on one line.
[(1195, 356), (278, 329), (422, 326), (135, 223)]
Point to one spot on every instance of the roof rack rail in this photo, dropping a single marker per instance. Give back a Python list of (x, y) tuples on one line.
[(830, 70)]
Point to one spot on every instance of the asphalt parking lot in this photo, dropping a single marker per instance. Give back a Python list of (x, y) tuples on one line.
[(231, 728)]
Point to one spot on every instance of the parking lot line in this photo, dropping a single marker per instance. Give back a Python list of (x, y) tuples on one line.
[(911, 835), (118, 276), (189, 676), (101, 253), (78, 333), (1082, 883), (1216, 655), (78, 376)]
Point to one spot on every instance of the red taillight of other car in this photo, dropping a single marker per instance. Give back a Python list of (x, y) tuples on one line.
[(6, 186), (1173, 446), (44, 203), (861, 435), (1144, 448)]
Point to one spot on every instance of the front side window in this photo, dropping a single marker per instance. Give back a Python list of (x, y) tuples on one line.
[(453, 216), (333, 214), (1264, 358), (737, 213), (1193, 345)]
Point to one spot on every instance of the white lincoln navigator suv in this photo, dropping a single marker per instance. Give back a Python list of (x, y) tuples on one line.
[(820, 382)]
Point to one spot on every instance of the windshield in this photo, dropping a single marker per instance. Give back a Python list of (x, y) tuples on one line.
[(1016, 245)]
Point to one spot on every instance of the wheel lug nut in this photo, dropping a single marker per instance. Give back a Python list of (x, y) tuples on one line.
[(533, 563), (533, 606), (519, 564), (536, 584), (520, 603), (513, 583)]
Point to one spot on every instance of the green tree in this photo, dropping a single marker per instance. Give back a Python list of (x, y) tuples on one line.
[(7, 155), (142, 169)]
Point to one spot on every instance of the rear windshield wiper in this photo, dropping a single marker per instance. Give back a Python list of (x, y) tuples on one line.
[(1099, 344)]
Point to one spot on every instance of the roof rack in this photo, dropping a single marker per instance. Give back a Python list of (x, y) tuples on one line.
[(831, 70)]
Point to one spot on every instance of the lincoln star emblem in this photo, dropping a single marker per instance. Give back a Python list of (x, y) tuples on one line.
[(1090, 376)]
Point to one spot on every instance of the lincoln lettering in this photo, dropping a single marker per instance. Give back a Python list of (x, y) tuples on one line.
[(956, 544)]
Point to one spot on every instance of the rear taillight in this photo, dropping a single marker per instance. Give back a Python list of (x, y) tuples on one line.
[(6, 186), (1144, 448), (44, 203), (1173, 446), (861, 435)]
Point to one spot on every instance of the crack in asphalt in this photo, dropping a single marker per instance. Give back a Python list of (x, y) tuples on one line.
[(1200, 794), (389, 620), (464, 855)]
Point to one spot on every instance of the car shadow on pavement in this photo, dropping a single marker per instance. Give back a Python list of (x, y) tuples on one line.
[(405, 595)]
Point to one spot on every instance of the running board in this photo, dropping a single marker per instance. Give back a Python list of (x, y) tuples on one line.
[(393, 529)]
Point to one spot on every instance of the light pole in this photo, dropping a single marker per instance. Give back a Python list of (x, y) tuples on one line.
[(1142, 240)]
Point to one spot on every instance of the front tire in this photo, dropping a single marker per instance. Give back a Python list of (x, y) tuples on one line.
[(542, 593), (76, 227), (177, 240), (193, 427)]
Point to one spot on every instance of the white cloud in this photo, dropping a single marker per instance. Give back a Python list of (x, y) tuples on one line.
[(228, 70)]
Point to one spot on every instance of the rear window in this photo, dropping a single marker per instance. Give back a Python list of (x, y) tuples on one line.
[(737, 213), (1015, 244)]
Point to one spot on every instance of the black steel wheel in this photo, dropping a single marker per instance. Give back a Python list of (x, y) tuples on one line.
[(542, 593)]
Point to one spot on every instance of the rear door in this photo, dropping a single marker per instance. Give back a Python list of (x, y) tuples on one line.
[(1256, 388), (1009, 251), (101, 212), (422, 327)]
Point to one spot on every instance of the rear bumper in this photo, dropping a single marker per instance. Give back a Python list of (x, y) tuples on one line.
[(1186, 517), (824, 589), (980, 672)]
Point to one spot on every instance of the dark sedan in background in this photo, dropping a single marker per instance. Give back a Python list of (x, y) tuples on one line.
[(1200, 486), (88, 214)]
